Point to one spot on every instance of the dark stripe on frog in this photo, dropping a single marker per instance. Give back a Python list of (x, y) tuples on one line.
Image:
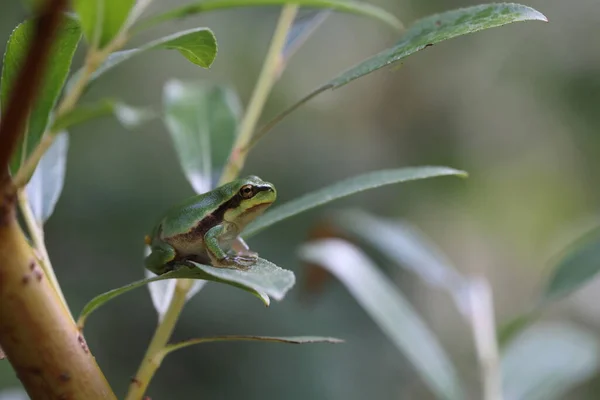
[(215, 217)]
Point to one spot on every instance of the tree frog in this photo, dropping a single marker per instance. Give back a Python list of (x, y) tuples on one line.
[(206, 228)]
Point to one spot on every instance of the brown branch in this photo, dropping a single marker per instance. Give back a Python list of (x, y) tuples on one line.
[(27, 84), (37, 333)]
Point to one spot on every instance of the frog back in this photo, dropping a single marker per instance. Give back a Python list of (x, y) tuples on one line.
[(191, 214)]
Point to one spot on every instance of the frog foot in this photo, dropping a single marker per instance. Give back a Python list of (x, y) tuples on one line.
[(239, 261)]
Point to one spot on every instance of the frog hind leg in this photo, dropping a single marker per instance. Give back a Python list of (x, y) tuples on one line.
[(159, 260)]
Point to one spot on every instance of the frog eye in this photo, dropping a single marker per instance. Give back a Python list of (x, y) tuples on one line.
[(247, 191)]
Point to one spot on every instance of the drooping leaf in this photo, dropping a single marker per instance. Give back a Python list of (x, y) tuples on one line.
[(264, 279), (345, 188), (406, 247), (422, 34), (102, 20), (545, 362), (348, 6), (54, 78), (198, 45), (162, 291), (579, 265), (390, 310), (130, 117), (437, 28), (202, 119), (46, 183)]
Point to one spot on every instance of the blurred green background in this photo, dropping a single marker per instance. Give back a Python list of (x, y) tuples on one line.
[(516, 107)]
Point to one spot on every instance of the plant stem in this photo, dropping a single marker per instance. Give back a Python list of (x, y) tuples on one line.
[(37, 236), (161, 337), (269, 74)]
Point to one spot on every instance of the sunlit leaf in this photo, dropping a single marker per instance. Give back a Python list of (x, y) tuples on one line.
[(198, 45), (46, 183), (102, 20), (54, 78), (202, 119), (130, 117), (348, 6), (390, 310), (345, 188), (264, 279), (578, 266), (545, 362)]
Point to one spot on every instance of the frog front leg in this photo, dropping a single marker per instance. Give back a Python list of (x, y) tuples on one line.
[(219, 258), (241, 247), (160, 257)]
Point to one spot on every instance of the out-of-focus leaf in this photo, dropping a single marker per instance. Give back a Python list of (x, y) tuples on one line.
[(407, 247), (437, 28), (390, 311), (54, 78), (13, 394), (345, 188), (202, 119), (198, 45), (578, 266), (306, 22), (545, 362), (46, 183), (102, 20), (511, 329), (348, 6), (130, 117), (263, 279)]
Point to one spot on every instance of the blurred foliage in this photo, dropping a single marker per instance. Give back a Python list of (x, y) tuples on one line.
[(513, 106)]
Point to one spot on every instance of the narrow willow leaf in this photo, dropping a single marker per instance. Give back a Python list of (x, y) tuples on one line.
[(54, 78), (577, 267), (305, 24), (198, 45), (347, 6), (249, 338), (345, 188), (264, 279), (102, 20), (437, 28), (390, 310), (547, 361), (406, 247), (202, 119), (130, 117), (46, 183)]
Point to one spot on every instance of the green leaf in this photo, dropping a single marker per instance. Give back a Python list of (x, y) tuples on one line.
[(202, 119), (345, 188), (130, 117), (198, 45), (437, 28), (578, 266), (547, 361), (390, 310), (348, 6), (102, 20), (55, 75), (46, 183), (264, 279), (249, 338)]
